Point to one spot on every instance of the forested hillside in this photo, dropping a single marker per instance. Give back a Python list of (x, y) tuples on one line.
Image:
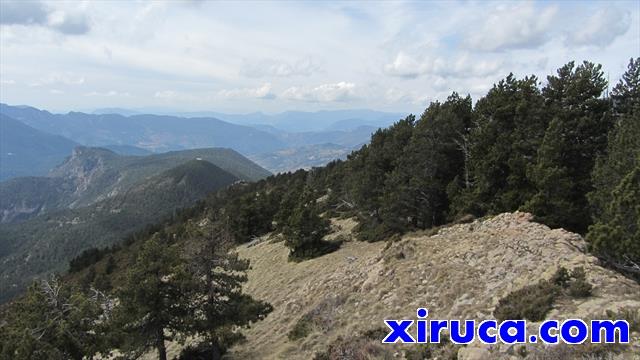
[(46, 243), (94, 174), (560, 149)]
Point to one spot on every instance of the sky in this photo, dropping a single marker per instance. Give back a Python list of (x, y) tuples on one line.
[(243, 57)]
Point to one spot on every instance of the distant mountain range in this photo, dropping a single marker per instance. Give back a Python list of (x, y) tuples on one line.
[(37, 140), (289, 121), (157, 133), (97, 198), (301, 121)]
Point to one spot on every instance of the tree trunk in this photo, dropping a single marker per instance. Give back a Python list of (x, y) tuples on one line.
[(216, 354), (162, 350)]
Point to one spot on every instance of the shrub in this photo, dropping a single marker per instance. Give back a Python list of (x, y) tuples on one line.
[(631, 315), (356, 348), (301, 329), (443, 350), (578, 286), (532, 302)]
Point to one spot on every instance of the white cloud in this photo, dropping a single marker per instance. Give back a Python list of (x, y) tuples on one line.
[(183, 55), (406, 67), (464, 65), (110, 93), (262, 92), (602, 28), (59, 79), (7, 81), (277, 68), (517, 26), (165, 94), (338, 92)]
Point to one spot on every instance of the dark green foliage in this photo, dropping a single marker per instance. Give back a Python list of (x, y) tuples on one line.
[(86, 258), (52, 321), (67, 233), (615, 201), (220, 307), (626, 94), (576, 135), (443, 350), (305, 231), (532, 303), (509, 126), (623, 154), (301, 329), (578, 287), (416, 196), (155, 298), (617, 235)]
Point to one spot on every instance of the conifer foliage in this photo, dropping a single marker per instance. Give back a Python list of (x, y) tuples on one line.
[(615, 200), (155, 299), (305, 231)]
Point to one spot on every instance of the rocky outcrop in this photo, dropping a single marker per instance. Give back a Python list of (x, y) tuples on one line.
[(81, 180), (459, 273)]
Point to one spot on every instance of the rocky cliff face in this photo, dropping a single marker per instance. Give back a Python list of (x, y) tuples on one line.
[(83, 166), (81, 180), (459, 273)]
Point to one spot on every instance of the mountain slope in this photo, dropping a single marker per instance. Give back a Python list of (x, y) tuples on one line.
[(94, 174), (48, 242), (27, 151), (459, 273)]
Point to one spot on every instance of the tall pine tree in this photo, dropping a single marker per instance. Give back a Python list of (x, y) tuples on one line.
[(155, 301), (614, 202), (576, 135), (509, 124), (220, 307)]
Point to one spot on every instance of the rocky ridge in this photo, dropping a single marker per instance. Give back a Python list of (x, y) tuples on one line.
[(459, 273)]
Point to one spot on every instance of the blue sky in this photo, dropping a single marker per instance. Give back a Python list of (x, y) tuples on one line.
[(277, 56)]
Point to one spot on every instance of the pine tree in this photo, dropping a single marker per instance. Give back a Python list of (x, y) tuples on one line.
[(306, 229), (623, 141), (155, 301), (626, 94), (574, 138), (53, 321), (509, 124), (371, 165), (219, 305), (623, 154), (616, 237)]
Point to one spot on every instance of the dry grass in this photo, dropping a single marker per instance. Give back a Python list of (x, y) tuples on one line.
[(459, 273)]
